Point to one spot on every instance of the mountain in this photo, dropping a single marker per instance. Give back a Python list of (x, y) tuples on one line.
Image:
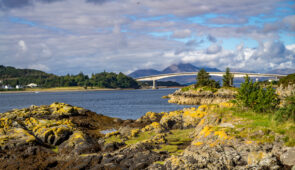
[(209, 69), (177, 68), (282, 71), (174, 68), (144, 72)]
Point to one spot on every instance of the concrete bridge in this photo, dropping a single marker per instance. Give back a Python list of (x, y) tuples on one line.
[(154, 78)]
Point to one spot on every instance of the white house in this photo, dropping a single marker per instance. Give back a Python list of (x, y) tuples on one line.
[(7, 87), (18, 86), (32, 85)]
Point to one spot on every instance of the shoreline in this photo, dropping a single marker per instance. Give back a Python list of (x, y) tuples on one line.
[(76, 89)]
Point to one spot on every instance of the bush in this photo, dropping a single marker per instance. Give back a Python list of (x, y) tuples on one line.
[(288, 111), (289, 79), (257, 98)]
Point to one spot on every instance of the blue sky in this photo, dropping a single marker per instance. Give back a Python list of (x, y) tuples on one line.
[(69, 36)]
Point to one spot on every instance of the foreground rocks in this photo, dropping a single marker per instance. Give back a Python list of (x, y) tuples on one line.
[(61, 136), (202, 96)]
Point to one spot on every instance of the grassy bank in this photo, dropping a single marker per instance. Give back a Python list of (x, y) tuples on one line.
[(258, 127)]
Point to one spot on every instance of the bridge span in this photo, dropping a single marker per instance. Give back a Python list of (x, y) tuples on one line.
[(154, 78)]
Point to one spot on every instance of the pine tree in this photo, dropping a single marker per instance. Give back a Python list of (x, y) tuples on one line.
[(228, 78), (203, 78)]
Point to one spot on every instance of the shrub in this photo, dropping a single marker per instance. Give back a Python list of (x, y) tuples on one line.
[(257, 98), (288, 111)]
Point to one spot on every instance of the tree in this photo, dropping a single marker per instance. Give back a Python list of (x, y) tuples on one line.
[(203, 78), (228, 78), (259, 99)]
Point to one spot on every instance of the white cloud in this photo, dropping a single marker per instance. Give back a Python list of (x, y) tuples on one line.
[(182, 33), (22, 45), (72, 35)]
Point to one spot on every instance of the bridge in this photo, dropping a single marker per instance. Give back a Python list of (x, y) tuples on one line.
[(154, 78)]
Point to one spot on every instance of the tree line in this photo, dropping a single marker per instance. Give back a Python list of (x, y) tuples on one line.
[(12, 76)]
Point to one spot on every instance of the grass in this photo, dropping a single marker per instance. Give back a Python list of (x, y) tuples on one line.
[(177, 140), (114, 138), (141, 137), (74, 88), (179, 136), (260, 127), (160, 162), (206, 88), (55, 149)]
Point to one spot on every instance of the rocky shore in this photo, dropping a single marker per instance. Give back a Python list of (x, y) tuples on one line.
[(199, 96), (60, 136)]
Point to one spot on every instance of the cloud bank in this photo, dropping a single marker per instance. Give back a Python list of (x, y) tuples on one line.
[(69, 36)]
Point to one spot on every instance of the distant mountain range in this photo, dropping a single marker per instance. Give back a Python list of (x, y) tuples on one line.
[(282, 71), (174, 68)]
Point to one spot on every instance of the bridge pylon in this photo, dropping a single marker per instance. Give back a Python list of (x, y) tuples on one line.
[(154, 84)]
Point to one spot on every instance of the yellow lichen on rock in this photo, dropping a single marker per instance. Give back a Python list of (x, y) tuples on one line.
[(77, 138), (201, 122), (5, 123), (222, 135), (206, 131), (134, 132), (203, 108), (155, 126), (256, 157), (198, 143), (112, 134), (226, 104)]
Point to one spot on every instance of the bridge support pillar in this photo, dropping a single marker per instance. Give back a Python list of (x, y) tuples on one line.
[(154, 84)]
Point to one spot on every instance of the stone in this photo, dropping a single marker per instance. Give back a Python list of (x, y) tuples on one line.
[(288, 157)]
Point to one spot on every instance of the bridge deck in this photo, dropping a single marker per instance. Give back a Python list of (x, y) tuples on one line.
[(236, 74)]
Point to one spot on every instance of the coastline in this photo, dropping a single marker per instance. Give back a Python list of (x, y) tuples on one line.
[(75, 89), (57, 89)]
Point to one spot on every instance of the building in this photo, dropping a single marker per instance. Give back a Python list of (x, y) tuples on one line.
[(18, 86), (32, 85), (7, 87)]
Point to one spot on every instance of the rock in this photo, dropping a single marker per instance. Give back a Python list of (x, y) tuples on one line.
[(288, 157), (201, 96), (113, 146), (226, 125)]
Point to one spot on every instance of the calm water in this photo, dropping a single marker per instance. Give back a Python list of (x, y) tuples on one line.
[(125, 104)]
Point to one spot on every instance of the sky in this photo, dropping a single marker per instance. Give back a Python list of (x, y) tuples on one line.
[(70, 36)]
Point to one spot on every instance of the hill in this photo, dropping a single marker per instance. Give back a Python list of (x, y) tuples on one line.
[(177, 68), (13, 76), (282, 71), (144, 72), (11, 72), (174, 68)]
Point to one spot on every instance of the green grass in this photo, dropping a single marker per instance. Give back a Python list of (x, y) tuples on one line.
[(176, 141), (141, 137), (179, 136), (160, 162), (114, 138), (254, 123), (169, 148), (55, 149)]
